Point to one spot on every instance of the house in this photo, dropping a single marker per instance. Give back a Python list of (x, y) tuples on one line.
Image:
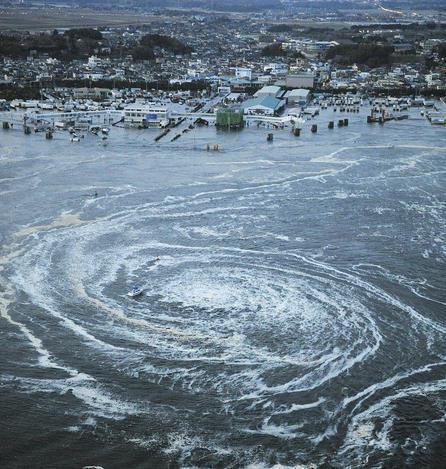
[(264, 106)]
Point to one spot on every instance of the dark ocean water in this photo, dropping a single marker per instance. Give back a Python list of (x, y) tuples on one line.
[(296, 317)]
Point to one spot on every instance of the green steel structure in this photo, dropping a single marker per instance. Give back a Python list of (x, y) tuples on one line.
[(230, 117)]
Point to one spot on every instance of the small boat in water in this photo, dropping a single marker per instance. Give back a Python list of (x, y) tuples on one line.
[(135, 291)]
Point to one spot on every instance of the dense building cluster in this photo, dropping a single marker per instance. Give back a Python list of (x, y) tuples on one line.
[(241, 52)]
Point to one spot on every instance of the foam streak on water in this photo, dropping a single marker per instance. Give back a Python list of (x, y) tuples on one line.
[(296, 316)]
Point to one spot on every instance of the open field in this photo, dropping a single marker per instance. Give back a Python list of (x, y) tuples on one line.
[(35, 19), (30, 19)]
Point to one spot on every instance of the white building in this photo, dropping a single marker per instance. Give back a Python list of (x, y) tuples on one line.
[(94, 76), (433, 79), (265, 79), (270, 90), (309, 46), (234, 97), (146, 115), (298, 96), (276, 68), (300, 80), (245, 73), (94, 61), (224, 90), (193, 73)]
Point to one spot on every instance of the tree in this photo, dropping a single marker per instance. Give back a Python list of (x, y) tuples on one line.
[(273, 50), (165, 42), (281, 28), (441, 51), (84, 33), (142, 53), (372, 55), (10, 46)]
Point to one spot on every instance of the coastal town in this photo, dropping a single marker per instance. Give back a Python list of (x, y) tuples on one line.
[(221, 68)]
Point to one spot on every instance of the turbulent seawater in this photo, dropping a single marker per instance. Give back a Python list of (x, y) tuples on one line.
[(296, 317)]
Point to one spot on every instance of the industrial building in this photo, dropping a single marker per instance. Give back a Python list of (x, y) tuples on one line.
[(230, 117), (270, 90), (298, 96), (300, 80), (266, 106), (138, 115)]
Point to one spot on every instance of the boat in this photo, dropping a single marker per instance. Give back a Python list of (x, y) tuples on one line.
[(135, 291)]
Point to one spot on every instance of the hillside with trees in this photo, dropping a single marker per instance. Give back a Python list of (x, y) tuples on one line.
[(165, 42), (73, 44), (372, 55), (273, 50), (80, 43)]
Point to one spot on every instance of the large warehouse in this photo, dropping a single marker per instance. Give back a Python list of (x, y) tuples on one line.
[(267, 106)]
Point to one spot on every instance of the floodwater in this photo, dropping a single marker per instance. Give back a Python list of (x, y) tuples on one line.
[(296, 315)]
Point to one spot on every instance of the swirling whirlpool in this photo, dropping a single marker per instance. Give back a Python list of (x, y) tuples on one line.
[(236, 353)]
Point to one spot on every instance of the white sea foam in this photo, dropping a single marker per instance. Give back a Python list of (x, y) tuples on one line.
[(246, 326), (362, 431)]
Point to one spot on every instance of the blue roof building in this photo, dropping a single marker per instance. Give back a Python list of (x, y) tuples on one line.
[(267, 106)]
